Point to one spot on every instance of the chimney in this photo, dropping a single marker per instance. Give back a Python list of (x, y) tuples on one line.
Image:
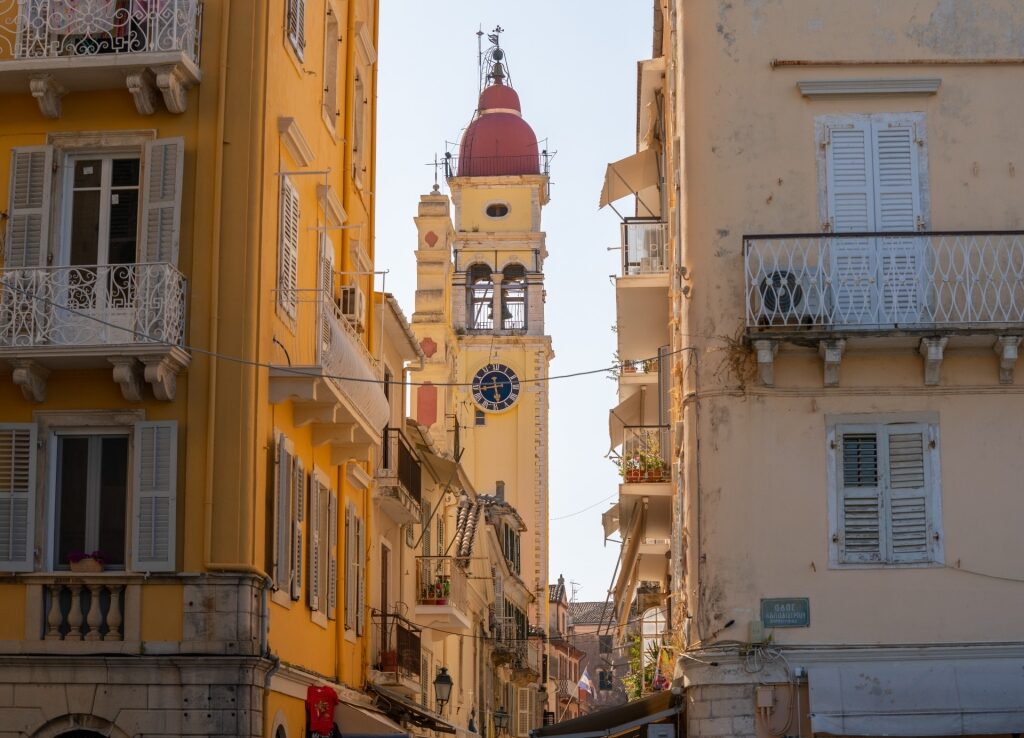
[(499, 490)]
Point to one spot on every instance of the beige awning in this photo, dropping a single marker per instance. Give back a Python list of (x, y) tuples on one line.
[(629, 176), (640, 408), (630, 551), (354, 721), (610, 520)]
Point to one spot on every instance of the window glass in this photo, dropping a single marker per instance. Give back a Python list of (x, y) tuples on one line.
[(497, 210)]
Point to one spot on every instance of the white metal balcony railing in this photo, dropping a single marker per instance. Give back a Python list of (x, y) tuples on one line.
[(324, 343), (643, 246), (441, 582), (114, 305), (884, 281), (34, 29), (645, 453), (88, 610)]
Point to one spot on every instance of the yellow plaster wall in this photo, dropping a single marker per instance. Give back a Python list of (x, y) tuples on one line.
[(472, 215), (162, 615), (12, 618)]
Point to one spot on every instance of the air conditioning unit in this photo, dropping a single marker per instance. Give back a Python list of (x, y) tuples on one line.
[(791, 296), (352, 301)]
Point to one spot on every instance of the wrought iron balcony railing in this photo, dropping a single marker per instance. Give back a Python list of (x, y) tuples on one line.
[(95, 305), (399, 464), (398, 646), (884, 281), (39, 29), (643, 246), (645, 453), (442, 581)]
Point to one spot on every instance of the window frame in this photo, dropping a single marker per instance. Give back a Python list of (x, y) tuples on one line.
[(297, 40), (879, 423)]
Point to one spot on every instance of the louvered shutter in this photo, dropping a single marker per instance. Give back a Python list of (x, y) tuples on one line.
[(523, 711), (314, 543), (499, 603), (155, 495), (898, 208), (332, 552), (283, 514), (296, 23), (350, 568), (859, 502), (850, 198), (361, 574), (161, 200), (326, 301), (909, 505), (298, 515), (28, 210), (288, 251), (17, 496)]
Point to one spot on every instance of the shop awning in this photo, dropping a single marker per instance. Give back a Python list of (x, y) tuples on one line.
[(658, 707), (629, 176), (401, 708), (913, 698), (360, 722)]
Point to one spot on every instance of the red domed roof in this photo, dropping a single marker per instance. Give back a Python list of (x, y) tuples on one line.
[(498, 141)]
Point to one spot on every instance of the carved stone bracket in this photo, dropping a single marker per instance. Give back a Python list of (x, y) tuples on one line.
[(162, 375), (932, 350), (31, 378), (174, 84), (1006, 349), (142, 85), (128, 374), (831, 353), (766, 350), (48, 92)]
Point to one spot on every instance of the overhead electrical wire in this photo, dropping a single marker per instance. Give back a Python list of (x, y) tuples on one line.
[(588, 507)]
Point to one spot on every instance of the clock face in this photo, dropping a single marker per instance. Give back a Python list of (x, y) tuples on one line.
[(495, 387)]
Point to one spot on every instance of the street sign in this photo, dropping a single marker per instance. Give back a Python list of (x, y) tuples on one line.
[(786, 612)]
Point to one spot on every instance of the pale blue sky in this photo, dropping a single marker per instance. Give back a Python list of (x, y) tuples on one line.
[(573, 63)]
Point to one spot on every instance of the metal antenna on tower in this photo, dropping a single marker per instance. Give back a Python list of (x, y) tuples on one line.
[(479, 60)]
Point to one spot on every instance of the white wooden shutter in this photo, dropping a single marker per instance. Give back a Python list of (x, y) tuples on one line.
[(288, 251), (859, 498), (18, 444), (29, 207), (911, 525), (523, 711), (314, 543), (296, 23), (850, 198), (332, 552), (161, 200), (350, 568), (155, 495), (283, 514), (361, 574), (326, 285), (298, 515), (898, 208)]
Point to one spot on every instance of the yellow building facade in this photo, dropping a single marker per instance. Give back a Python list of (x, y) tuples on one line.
[(192, 348)]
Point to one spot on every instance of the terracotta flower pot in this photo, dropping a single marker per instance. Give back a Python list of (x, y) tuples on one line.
[(87, 565)]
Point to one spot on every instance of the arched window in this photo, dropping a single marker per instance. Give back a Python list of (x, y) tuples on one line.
[(480, 288), (513, 298)]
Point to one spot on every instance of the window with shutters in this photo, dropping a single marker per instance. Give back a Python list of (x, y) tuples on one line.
[(295, 26), (332, 43), (322, 532), (360, 109), (355, 570), (288, 249), (885, 502), (289, 516)]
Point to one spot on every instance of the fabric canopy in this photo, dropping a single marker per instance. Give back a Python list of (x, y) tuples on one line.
[(401, 708), (610, 520), (627, 569), (913, 698), (637, 409), (616, 720), (629, 176), (360, 722)]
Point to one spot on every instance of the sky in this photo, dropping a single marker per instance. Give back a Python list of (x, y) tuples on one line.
[(573, 63)]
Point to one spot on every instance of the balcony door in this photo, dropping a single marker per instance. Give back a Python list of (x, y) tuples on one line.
[(96, 275), (874, 183)]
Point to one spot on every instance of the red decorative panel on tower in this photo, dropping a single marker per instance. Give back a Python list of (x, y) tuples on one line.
[(426, 405)]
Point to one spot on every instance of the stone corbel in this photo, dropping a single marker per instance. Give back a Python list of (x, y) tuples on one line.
[(127, 374), (831, 353), (1006, 349), (932, 350), (31, 378), (48, 92), (766, 350), (162, 375), (142, 85), (174, 84)]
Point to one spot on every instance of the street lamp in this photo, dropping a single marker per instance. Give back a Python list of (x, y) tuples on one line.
[(500, 720), (442, 688)]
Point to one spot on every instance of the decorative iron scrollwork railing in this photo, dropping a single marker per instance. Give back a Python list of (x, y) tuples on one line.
[(93, 305), (884, 281), (35, 29)]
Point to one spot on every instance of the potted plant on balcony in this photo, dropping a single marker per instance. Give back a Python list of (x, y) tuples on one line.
[(389, 661), (631, 469), (654, 466), (87, 563)]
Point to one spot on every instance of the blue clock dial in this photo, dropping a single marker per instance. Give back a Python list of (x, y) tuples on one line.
[(495, 387)]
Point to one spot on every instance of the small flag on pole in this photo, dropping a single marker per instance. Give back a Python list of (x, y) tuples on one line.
[(585, 684)]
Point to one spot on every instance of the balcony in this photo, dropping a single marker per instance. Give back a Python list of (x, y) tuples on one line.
[(645, 454), (441, 597), (325, 369), (926, 290), (398, 654), (53, 47), (131, 316), (641, 291), (644, 247), (399, 477)]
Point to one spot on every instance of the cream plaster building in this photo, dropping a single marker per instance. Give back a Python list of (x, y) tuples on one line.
[(841, 291)]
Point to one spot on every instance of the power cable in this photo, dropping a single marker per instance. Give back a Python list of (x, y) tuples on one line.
[(580, 512)]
